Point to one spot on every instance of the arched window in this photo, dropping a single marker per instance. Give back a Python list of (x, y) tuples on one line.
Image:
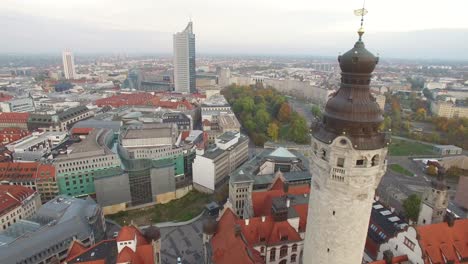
[(375, 160), (272, 254), (283, 261), (294, 248), (293, 258), (283, 251)]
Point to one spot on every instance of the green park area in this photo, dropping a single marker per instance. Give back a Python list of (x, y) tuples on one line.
[(400, 147), (179, 210), (399, 169)]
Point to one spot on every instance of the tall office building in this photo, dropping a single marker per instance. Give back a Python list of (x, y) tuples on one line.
[(68, 65), (184, 60), (347, 161)]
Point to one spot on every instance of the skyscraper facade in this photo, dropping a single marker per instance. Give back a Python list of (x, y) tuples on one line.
[(184, 60), (68, 65), (347, 161)]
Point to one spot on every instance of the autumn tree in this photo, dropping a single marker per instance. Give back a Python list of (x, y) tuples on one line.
[(420, 114), (273, 131), (431, 170), (284, 112)]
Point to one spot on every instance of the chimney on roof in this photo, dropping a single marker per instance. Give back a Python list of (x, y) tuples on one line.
[(450, 219), (288, 202), (388, 256), (263, 218), (237, 230), (247, 221)]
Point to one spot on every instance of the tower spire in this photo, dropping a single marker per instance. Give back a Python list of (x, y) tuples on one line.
[(361, 12)]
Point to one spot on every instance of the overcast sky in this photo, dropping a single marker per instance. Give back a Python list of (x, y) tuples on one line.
[(236, 26)]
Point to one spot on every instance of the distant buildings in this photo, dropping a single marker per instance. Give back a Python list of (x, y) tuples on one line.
[(46, 236), (443, 243), (260, 172), (84, 162), (8, 135), (131, 246), (211, 167), (384, 224), (217, 117), (39, 177), (14, 120), (60, 121), (18, 105), (184, 60), (273, 234), (68, 65), (449, 109), (16, 203), (37, 146)]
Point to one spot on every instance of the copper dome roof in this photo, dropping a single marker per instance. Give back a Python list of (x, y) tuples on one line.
[(353, 111)]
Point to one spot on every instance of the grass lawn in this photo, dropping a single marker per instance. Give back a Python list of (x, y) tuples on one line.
[(399, 169), (182, 209), (407, 148)]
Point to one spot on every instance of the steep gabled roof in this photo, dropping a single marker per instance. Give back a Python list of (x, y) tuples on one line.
[(229, 248), (442, 243)]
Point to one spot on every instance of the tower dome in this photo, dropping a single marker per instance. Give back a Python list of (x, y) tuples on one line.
[(358, 60), (352, 110)]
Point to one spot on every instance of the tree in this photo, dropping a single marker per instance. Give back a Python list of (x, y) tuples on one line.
[(262, 118), (411, 207), (273, 131), (316, 111), (299, 132), (431, 170), (284, 113), (420, 114)]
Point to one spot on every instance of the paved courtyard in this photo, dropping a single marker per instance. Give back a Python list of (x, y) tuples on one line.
[(182, 241)]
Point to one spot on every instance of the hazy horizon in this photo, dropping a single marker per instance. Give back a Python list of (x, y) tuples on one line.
[(395, 29)]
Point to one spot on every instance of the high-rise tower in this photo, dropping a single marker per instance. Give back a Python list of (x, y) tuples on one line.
[(184, 60), (347, 163), (68, 65)]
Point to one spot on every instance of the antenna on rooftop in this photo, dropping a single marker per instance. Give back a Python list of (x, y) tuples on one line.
[(361, 12)]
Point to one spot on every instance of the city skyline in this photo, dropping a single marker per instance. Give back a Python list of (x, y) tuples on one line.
[(395, 29)]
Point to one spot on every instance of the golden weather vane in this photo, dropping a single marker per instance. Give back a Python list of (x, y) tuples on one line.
[(361, 12)]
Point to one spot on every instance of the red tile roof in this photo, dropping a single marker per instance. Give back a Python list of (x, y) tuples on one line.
[(261, 201), (442, 243), (14, 117), (124, 99), (76, 248), (81, 130), (5, 97), (14, 171), (268, 231), (395, 260), (229, 248), (126, 255), (127, 233), (12, 196)]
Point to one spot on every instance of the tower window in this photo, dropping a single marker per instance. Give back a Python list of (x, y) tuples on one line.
[(340, 162), (323, 154), (375, 160), (333, 212), (360, 162)]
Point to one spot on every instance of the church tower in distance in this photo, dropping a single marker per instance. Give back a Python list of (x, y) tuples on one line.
[(348, 153)]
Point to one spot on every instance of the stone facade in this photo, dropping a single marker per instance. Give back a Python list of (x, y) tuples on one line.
[(342, 193)]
